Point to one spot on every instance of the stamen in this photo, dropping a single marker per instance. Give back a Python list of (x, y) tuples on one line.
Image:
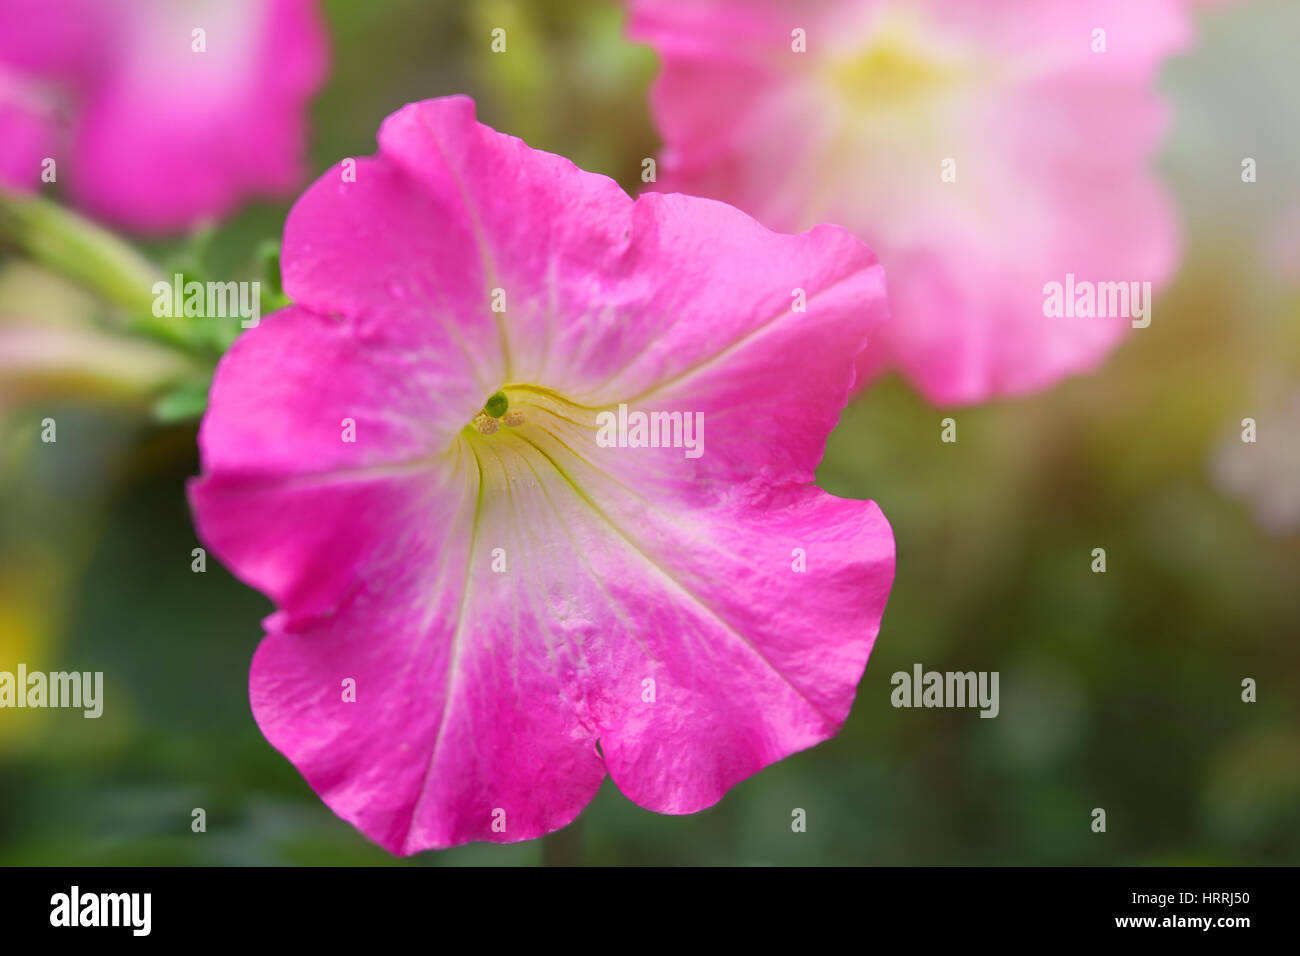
[(496, 412)]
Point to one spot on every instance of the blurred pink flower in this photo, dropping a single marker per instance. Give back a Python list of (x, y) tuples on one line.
[(1282, 245), (148, 132), (1264, 472), (981, 146), (522, 608)]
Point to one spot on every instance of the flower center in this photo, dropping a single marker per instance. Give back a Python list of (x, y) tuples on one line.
[(890, 72), (495, 413), (541, 439)]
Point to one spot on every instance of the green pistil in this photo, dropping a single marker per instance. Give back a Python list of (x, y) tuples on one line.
[(496, 405), (496, 412)]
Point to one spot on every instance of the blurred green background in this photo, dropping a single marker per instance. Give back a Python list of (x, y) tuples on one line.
[(1119, 690)]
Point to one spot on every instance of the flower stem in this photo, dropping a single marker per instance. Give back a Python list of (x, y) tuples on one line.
[(91, 256)]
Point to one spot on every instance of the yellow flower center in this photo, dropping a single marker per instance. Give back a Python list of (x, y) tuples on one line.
[(891, 73)]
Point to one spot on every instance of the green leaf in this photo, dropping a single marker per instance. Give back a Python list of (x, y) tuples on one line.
[(187, 401)]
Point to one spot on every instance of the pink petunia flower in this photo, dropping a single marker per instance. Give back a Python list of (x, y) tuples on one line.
[(985, 148), (519, 596), (158, 114)]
